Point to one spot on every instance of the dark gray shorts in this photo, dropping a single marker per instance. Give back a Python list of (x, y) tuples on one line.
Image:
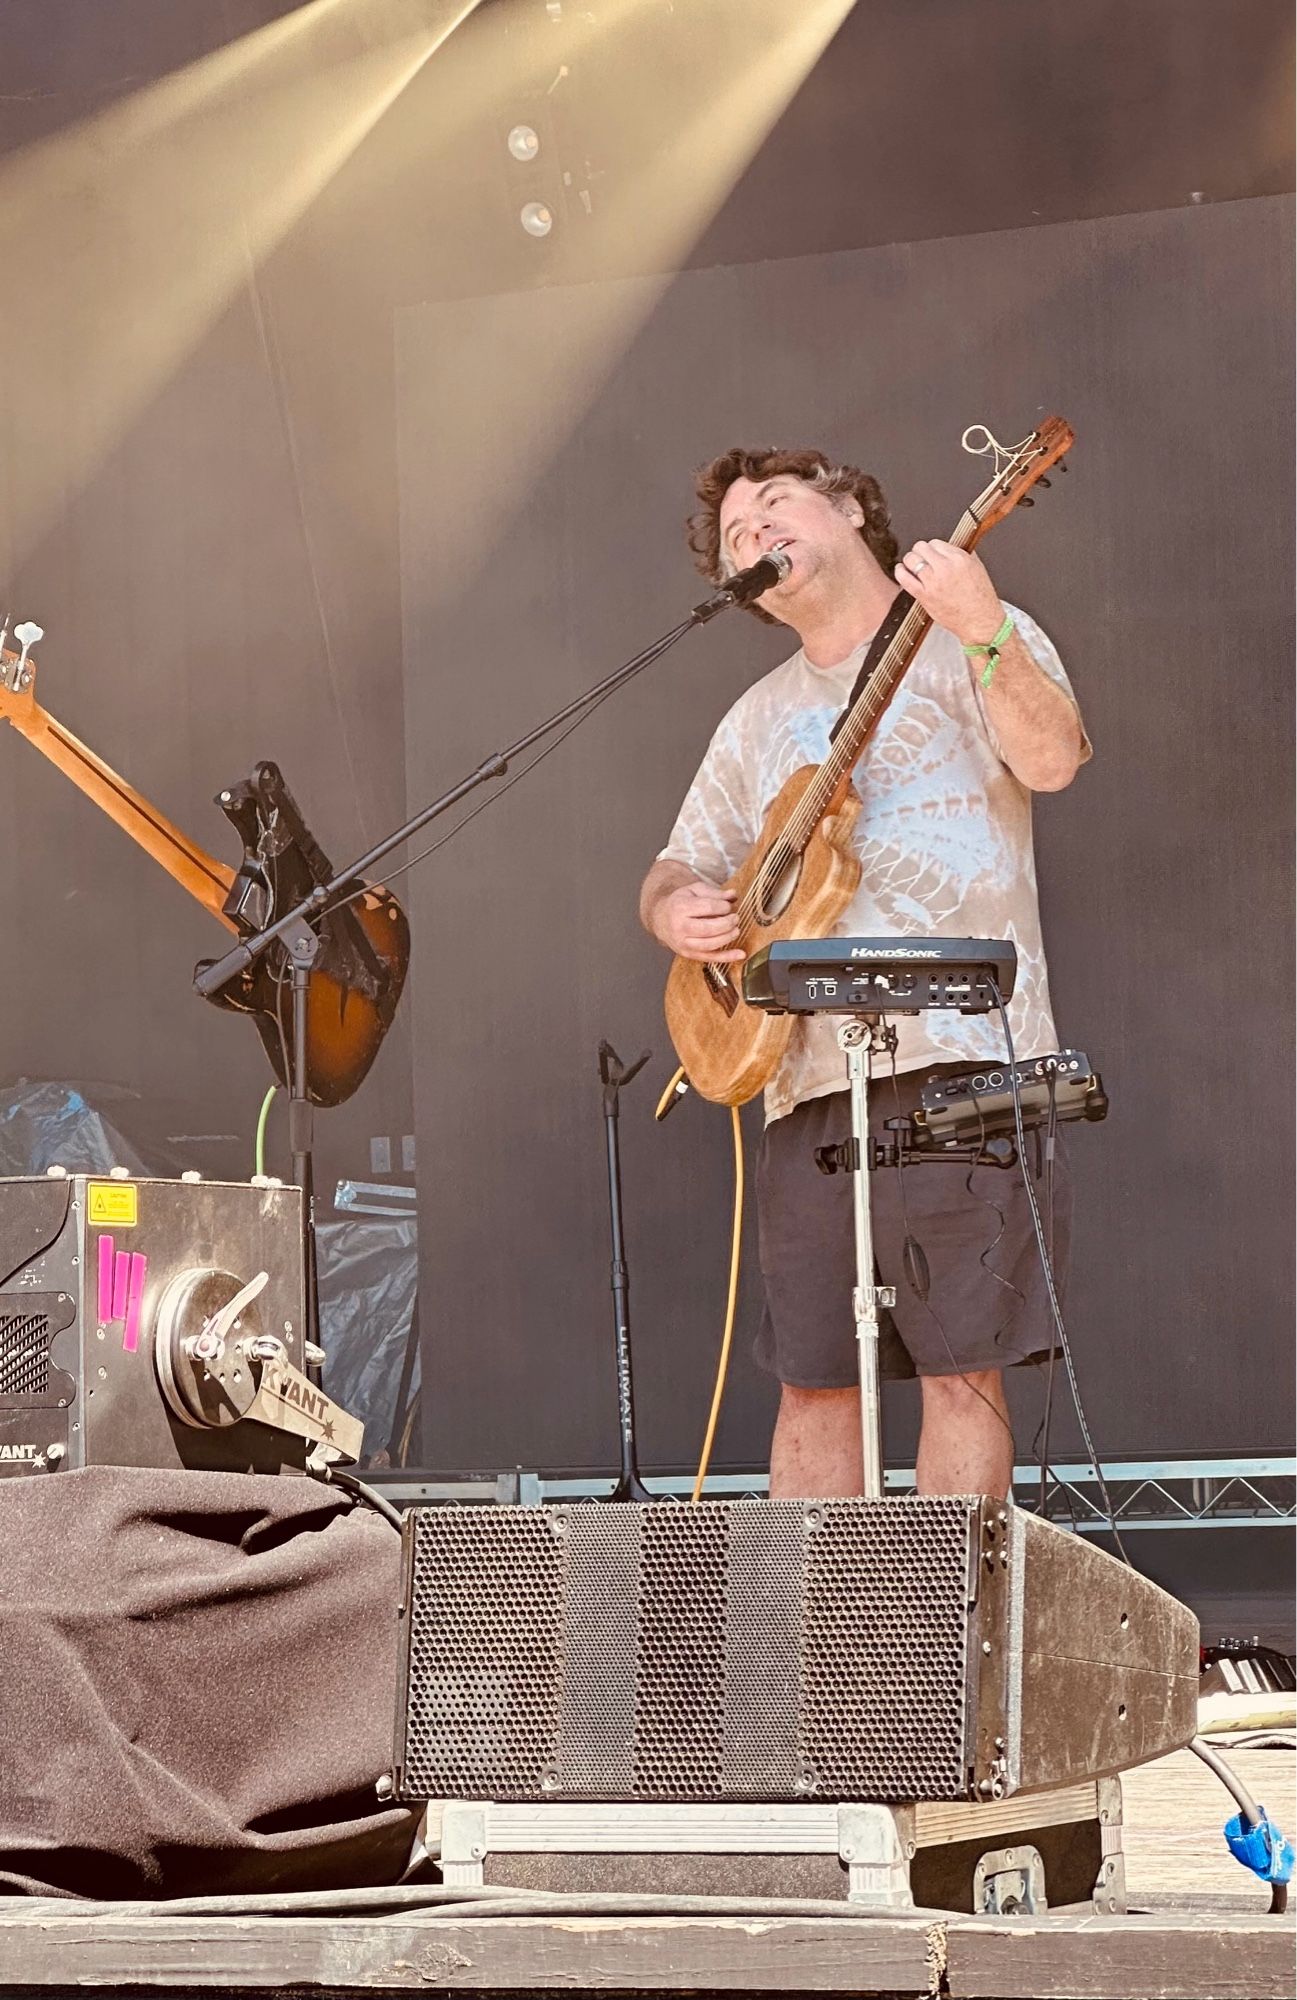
[(987, 1306)]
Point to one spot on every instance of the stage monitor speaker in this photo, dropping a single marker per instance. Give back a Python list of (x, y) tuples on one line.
[(101, 1281), (886, 1650)]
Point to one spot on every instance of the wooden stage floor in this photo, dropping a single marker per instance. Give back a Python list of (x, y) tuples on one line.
[(1205, 1934)]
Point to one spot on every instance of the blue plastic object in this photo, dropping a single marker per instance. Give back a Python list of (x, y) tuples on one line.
[(1263, 1849)]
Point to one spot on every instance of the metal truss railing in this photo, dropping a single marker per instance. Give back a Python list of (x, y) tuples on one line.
[(1163, 1493), (1145, 1493)]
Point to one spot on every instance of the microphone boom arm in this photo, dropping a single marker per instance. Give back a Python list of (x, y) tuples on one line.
[(348, 881)]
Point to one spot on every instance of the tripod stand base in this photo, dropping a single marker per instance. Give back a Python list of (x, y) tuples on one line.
[(629, 1488)]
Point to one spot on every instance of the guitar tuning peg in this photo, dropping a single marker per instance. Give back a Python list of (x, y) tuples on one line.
[(1044, 483), (27, 636), (4, 630), (1026, 501), (1061, 464)]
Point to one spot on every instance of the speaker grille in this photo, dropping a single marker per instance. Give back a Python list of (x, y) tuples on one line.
[(680, 1679), (24, 1355), (733, 1650), (486, 1651), (885, 1657)]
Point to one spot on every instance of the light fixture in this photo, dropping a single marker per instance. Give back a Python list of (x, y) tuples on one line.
[(537, 219), (524, 142)]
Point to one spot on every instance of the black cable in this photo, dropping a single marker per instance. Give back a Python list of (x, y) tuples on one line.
[(280, 975), (985, 1200), (1048, 1269), (1041, 1455), (922, 1297), (333, 1475), (1246, 1804), (1051, 1138), (268, 859), (491, 797)]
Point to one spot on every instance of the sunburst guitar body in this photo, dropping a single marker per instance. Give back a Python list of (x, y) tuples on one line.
[(802, 873)]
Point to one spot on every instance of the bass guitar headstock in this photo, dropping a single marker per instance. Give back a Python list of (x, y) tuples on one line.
[(18, 670), (1018, 468)]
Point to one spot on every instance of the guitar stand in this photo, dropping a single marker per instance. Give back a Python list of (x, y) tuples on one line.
[(614, 1078)]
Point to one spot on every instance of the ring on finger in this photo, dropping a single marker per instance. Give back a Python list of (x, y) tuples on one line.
[(922, 563)]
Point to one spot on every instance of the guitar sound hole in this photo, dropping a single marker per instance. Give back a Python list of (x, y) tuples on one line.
[(777, 884)]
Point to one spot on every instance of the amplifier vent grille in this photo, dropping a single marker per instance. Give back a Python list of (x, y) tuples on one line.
[(24, 1354)]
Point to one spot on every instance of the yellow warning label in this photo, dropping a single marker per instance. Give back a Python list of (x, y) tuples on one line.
[(114, 1204)]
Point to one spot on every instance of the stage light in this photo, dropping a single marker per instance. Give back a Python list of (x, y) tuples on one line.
[(699, 88), (524, 142), (147, 218), (536, 219)]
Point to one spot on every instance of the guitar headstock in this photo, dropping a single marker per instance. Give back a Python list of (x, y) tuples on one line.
[(1017, 469), (17, 671)]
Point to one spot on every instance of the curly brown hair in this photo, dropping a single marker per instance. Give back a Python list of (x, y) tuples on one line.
[(713, 481)]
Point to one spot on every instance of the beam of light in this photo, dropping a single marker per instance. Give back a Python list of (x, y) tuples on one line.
[(506, 425), (123, 240)]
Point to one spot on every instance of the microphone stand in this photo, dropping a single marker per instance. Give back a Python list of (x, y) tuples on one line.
[(296, 928), (614, 1077)]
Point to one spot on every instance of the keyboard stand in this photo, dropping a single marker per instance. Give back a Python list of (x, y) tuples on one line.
[(860, 1037)]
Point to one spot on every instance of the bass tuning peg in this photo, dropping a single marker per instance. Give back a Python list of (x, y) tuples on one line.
[(27, 636)]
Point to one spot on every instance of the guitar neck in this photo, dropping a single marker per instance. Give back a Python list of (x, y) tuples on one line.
[(866, 711), (207, 880)]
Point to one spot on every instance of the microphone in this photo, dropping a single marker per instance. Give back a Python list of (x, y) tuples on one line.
[(744, 585)]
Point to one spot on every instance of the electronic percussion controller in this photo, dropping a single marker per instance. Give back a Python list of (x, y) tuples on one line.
[(848, 975), (956, 1110)]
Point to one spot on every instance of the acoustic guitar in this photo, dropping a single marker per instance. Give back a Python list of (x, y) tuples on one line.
[(803, 871), (365, 947)]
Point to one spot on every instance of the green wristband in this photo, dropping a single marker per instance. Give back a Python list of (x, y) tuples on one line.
[(991, 650)]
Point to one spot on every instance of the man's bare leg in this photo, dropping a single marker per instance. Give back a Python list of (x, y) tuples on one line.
[(815, 1453), (966, 1444)]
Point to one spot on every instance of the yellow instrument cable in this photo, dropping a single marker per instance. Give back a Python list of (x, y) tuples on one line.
[(731, 1305)]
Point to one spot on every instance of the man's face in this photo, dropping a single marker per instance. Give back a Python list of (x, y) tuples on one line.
[(816, 532)]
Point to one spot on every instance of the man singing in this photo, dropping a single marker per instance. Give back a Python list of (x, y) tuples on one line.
[(983, 718)]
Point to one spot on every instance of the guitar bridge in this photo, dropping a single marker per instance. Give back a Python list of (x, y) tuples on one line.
[(720, 988)]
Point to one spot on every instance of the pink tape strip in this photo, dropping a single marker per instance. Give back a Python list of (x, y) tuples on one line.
[(134, 1297), (104, 1303), (121, 1276)]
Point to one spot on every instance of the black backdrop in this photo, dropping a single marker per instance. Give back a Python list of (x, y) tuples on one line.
[(1162, 568)]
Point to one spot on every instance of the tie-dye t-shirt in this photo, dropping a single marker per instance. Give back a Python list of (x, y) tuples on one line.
[(944, 836)]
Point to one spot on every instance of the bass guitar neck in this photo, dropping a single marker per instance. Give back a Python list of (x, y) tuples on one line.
[(209, 881), (355, 988)]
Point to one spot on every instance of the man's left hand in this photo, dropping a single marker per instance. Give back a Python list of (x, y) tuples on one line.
[(954, 589)]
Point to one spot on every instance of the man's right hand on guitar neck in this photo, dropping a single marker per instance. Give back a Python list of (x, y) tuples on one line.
[(692, 918)]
